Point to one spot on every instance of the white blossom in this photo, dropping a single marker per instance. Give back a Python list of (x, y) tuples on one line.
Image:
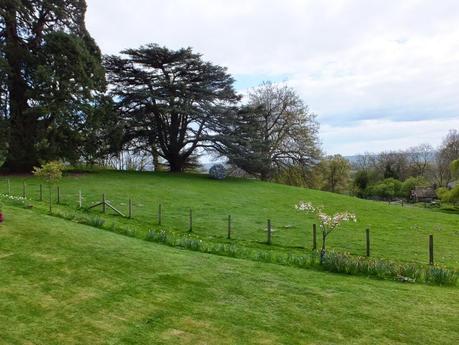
[(327, 222)]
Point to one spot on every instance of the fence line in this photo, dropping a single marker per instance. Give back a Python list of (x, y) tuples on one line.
[(27, 187)]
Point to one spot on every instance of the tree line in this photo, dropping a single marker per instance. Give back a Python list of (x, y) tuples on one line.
[(388, 174), (61, 99)]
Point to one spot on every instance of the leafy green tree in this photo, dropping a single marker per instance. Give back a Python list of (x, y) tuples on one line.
[(387, 189), (166, 100), (275, 130), (300, 176), (51, 173), (53, 72), (335, 172)]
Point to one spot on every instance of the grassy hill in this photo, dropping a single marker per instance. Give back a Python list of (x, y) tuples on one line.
[(398, 233), (64, 283)]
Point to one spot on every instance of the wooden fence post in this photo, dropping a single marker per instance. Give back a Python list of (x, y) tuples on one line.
[(270, 235), (80, 199), (23, 189), (431, 250), (58, 195), (103, 203), (191, 221), (367, 232), (314, 237), (229, 227), (130, 209), (159, 214), (41, 193), (8, 182)]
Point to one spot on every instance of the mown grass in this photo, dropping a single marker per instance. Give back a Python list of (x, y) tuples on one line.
[(397, 233), (64, 283)]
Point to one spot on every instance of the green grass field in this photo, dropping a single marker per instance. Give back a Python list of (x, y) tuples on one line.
[(64, 283), (398, 233)]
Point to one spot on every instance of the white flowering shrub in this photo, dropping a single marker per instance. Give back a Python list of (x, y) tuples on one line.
[(327, 223), (217, 172)]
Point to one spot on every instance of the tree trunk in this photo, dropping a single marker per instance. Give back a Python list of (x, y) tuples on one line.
[(21, 155), (176, 164), (322, 251), (156, 165)]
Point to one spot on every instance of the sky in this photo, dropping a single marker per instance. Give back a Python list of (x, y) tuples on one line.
[(380, 75)]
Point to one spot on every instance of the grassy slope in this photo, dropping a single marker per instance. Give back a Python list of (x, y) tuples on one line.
[(66, 283), (397, 233)]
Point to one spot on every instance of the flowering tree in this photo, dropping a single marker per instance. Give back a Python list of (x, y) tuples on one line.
[(51, 172), (328, 223)]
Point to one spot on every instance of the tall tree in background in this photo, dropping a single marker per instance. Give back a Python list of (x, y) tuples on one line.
[(273, 130), (420, 158), (335, 172), (52, 68), (447, 153), (167, 99)]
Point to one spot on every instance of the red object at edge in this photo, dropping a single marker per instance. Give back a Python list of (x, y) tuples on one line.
[(1, 217)]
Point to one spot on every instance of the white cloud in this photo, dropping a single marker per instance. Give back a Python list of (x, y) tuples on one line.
[(352, 61), (385, 135)]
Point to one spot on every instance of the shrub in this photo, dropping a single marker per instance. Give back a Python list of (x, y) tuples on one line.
[(387, 189), (449, 196)]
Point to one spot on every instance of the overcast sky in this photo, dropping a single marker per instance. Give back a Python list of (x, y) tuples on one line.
[(380, 75)]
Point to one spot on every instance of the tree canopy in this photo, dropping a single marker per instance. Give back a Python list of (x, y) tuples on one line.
[(51, 72), (274, 129), (166, 99)]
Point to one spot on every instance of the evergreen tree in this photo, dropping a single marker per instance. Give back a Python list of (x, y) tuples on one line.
[(52, 68), (166, 100)]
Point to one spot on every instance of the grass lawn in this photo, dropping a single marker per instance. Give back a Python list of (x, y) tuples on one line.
[(64, 283), (398, 233)]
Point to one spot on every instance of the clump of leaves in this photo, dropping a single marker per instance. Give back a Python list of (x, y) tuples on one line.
[(51, 172)]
